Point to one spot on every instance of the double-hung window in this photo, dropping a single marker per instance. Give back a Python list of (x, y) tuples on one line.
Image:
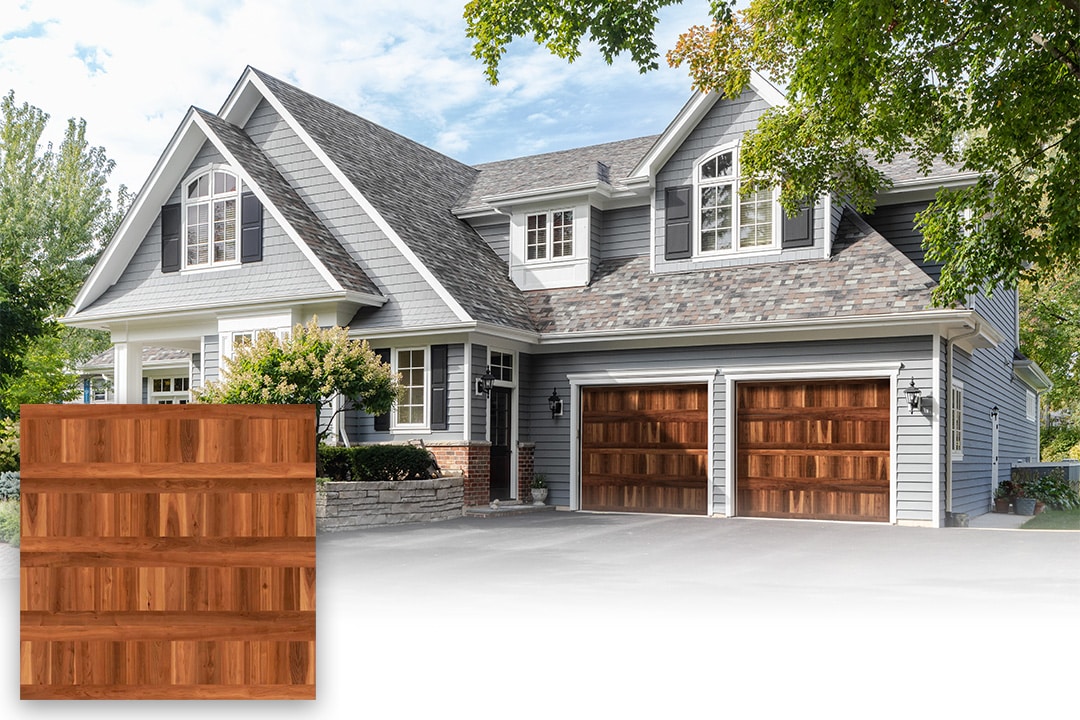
[(549, 235), (727, 222), (211, 216), (411, 366), (956, 412)]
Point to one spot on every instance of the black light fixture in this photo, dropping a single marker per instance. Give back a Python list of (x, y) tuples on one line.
[(555, 403), (484, 382), (994, 413), (914, 396)]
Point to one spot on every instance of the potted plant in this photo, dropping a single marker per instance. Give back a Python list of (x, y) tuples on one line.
[(539, 489), (1022, 503), (1003, 496)]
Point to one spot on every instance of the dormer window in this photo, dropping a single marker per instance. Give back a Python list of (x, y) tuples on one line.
[(725, 221), (211, 203), (549, 235)]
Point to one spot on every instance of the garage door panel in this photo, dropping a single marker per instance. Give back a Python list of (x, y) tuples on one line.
[(813, 449), (645, 448)]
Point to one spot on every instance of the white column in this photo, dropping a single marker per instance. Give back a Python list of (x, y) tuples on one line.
[(127, 372)]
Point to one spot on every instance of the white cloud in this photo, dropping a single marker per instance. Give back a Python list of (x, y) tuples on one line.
[(131, 69)]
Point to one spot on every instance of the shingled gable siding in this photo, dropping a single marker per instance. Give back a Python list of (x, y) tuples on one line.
[(496, 233), (988, 381), (897, 224), (914, 457), (412, 300), (284, 272), (725, 123), (625, 232)]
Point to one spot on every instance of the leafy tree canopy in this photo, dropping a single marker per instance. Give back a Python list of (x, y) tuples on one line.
[(56, 213), (992, 88), (1050, 335), (308, 366)]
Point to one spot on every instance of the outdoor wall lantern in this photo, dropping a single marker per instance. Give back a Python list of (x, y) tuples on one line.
[(914, 396), (484, 382), (994, 413), (555, 403)]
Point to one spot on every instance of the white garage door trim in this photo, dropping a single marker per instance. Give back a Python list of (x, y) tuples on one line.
[(635, 377)]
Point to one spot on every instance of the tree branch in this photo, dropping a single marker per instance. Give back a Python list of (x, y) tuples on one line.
[(1056, 54)]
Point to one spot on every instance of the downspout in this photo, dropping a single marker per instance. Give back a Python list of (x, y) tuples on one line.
[(949, 419)]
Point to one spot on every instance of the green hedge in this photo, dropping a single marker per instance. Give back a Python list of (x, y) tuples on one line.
[(9, 522), (376, 463)]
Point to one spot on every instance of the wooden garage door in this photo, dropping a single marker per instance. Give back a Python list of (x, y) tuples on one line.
[(813, 449), (645, 448)]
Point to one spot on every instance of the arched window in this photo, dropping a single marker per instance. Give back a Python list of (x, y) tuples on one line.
[(211, 203), (726, 221)]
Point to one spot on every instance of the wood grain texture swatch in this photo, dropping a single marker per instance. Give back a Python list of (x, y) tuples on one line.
[(168, 552)]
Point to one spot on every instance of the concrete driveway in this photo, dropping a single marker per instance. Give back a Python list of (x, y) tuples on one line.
[(573, 615)]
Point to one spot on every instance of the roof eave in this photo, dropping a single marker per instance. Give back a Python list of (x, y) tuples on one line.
[(1029, 372)]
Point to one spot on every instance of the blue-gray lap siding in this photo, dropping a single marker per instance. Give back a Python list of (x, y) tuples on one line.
[(989, 382), (360, 426), (897, 224), (725, 123), (913, 449), (412, 302), (284, 272)]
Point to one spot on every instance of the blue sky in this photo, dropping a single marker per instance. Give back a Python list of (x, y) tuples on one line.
[(131, 69)]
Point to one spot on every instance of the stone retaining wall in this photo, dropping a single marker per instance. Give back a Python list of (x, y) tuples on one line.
[(352, 505)]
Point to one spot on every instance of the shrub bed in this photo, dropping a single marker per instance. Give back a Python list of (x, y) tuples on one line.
[(9, 522), (376, 463), (9, 485)]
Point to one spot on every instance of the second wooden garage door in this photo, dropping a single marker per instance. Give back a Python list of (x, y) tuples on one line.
[(645, 448), (813, 449)]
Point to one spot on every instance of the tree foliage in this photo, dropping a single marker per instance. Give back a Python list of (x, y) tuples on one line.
[(616, 26), (56, 213), (991, 88), (1050, 335), (310, 365)]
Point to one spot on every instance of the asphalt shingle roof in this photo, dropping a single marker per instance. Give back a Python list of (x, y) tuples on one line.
[(311, 230), (414, 188), (866, 275), (556, 169), (150, 355)]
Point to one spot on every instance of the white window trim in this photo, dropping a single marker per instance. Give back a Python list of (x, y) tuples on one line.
[(735, 182), (956, 411), (210, 264), (549, 235), (426, 424), (515, 369), (152, 396)]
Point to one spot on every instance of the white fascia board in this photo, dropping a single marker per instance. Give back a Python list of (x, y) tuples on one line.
[(242, 100), (917, 323), (543, 195), (197, 309), (174, 161), (362, 201), (259, 193), (1029, 373), (688, 118)]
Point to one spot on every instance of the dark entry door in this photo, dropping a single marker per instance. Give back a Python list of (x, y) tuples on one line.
[(500, 443)]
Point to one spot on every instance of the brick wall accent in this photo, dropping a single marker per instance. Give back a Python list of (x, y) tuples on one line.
[(473, 459), (525, 470)]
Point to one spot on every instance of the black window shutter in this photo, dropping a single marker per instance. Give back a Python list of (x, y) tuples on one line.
[(251, 228), (440, 376), (170, 238), (677, 222), (798, 229), (382, 422)]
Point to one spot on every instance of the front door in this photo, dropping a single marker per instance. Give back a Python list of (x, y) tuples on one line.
[(500, 418)]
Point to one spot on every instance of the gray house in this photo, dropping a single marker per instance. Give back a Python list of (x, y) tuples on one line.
[(617, 317)]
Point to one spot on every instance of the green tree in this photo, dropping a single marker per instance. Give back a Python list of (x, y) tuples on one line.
[(308, 366), (990, 87), (1050, 335), (56, 212)]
